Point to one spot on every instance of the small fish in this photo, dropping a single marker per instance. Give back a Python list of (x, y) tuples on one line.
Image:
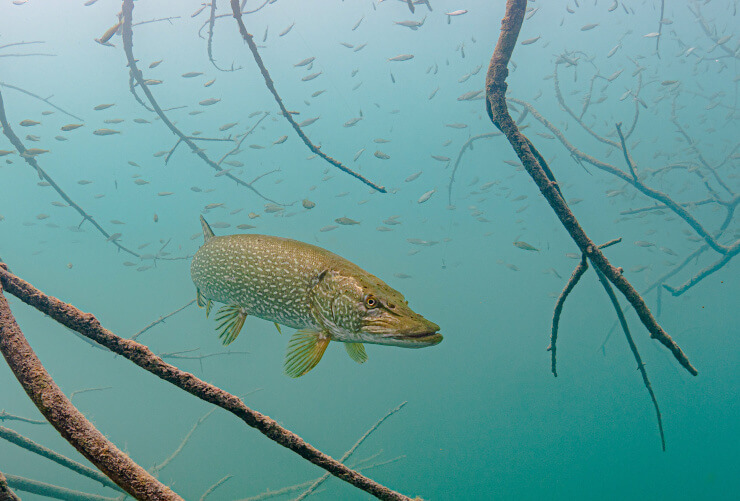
[(401, 57), (209, 83), (209, 102), (588, 27), (383, 156), (227, 126), (413, 177), (280, 140), (304, 62), (105, 132), (423, 243), (307, 204), (456, 13), (286, 30), (102, 107), (652, 35), (155, 64), (32, 152), (308, 122), (525, 246), (457, 126), (351, 122), (426, 196), (346, 221), (328, 228), (310, 77), (69, 127), (29, 123), (643, 243), (530, 41), (191, 74), (441, 158)]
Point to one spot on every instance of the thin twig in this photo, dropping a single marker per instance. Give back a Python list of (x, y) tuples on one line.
[(46, 100), (288, 116), (161, 320), (16, 438), (214, 487), (349, 453), (53, 491), (640, 365), (10, 417)]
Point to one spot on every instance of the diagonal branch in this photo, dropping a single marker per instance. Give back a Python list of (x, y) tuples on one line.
[(87, 325), (496, 106), (67, 420)]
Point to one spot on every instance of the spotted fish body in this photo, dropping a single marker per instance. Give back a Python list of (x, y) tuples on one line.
[(304, 287)]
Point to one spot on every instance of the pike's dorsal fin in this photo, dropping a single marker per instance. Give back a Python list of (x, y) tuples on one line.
[(305, 350), (356, 352), (231, 318), (207, 231)]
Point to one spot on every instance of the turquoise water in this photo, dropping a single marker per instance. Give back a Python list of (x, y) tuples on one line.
[(485, 418)]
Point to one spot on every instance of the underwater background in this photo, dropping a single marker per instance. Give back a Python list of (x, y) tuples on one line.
[(485, 418)]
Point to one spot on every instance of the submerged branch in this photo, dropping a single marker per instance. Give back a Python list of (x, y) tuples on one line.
[(60, 412), (87, 325), (46, 100), (127, 34), (496, 106), (16, 438)]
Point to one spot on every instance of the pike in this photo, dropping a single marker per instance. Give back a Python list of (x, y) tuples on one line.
[(305, 287)]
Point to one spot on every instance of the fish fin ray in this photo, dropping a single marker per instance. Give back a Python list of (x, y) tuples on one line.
[(356, 352), (207, 231), (232, 318), (277, 326), (209, 305), (305, 349), (199, 299)]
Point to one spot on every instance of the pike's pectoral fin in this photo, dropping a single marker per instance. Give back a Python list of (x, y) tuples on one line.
[(356, 352), (231, 318), (305, 349)]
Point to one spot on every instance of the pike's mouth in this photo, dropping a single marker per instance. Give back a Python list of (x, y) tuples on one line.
[(427, 338)]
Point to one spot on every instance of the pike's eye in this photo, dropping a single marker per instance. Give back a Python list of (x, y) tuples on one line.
[(371, 302)]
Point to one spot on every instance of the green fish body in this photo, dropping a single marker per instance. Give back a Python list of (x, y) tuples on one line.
[(302, 286)]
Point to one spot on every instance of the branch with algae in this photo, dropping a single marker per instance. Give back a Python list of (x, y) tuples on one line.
[(6, 494), (288, 116), (87, 325), (67, 420), (127, 35)]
